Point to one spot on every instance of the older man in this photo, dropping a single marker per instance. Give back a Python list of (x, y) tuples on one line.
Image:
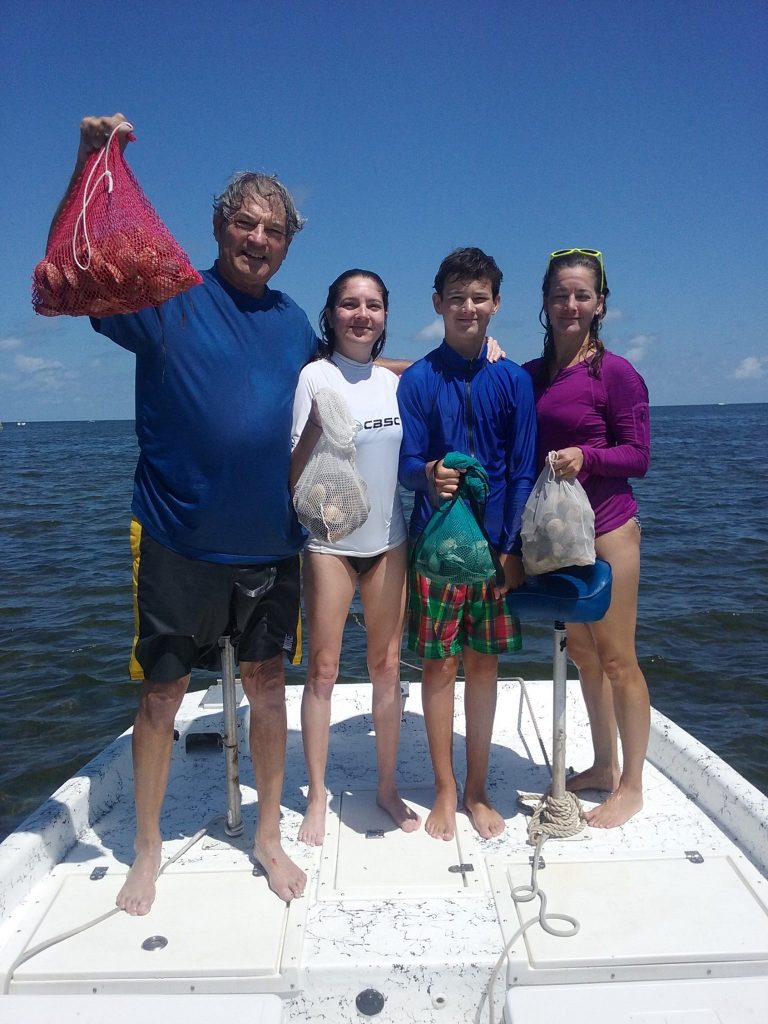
[(215, 542)]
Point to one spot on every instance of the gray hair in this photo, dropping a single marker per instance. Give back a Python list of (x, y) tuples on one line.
[(253, 185)]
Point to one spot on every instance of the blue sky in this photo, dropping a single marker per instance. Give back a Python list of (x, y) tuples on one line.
[(405, 130)]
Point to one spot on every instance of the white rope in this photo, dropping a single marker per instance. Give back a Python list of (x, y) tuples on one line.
[(551, 818), (89, 192), (554, 818), (524, 894)]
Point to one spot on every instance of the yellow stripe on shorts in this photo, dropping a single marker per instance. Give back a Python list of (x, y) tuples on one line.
[(296, 659), (135, 670)]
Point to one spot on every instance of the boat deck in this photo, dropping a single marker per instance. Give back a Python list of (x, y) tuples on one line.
[(669, 897)]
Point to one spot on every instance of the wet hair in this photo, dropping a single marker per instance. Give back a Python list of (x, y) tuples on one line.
[(253, 185), (328, 344), (468, 265), (574, 259)]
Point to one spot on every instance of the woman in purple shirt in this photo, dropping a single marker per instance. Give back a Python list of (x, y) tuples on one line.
[(592, 409)]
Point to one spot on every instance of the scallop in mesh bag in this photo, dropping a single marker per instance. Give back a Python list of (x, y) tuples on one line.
[(330, 496), (558, 526), (109, 252)]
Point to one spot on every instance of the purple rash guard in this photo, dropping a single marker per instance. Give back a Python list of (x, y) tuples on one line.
[(608, 418)]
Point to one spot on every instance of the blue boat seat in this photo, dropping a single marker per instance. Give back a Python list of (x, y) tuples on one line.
[(579, 593)]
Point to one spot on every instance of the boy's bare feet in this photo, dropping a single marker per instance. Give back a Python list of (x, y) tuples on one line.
[(620, 806), (441, 823), (312, 830), (487, 821), (606, 779), (403, 816), (285, 878), (138, 892)]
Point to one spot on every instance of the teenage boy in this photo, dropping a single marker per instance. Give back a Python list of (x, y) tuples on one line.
[(455, 400)]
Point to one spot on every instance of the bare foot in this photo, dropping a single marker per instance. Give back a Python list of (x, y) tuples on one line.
[(487, 821), (285, 878), (403, 816), (441, 823), (606, 779), (312, 831), (620, 806), (138, 892)]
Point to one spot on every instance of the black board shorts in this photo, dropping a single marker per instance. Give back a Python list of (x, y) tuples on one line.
[(181, 606)]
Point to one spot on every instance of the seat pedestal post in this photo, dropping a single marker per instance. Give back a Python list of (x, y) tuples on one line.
[(234, 826), (559, 674)]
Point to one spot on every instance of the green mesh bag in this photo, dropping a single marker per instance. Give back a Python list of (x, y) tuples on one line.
[(453, 547)]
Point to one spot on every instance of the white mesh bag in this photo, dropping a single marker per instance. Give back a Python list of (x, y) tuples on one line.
[(558, 527), (330, 497)]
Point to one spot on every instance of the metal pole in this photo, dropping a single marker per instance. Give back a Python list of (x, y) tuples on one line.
[(234, 824), (559, 675)]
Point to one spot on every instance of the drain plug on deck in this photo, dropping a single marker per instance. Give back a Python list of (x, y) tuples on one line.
[(155, 942), (369, 1002)]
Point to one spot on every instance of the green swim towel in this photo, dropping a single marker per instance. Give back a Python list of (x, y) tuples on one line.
[(454, 548)]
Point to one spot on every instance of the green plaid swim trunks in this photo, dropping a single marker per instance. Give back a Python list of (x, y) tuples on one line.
[(443, 619)]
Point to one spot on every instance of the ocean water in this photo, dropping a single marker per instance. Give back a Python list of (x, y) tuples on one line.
[(66, 616)]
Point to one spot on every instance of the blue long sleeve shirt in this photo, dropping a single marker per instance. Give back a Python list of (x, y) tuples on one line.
[(486, 410), (216, 374)]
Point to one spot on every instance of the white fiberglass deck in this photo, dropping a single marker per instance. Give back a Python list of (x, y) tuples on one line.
[(667, 898)]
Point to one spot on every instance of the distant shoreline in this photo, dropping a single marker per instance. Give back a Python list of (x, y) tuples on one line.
[(684, 405)]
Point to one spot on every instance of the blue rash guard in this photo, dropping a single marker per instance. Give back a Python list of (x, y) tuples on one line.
[(486, 410), (216, 373)]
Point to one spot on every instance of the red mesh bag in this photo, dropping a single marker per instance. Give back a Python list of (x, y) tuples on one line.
[(109, 252)]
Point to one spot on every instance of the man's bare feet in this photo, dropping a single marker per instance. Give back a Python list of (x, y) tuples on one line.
[(285, 878), (312, 830), (620, 806), (606, 779), (403, 816), (138, 892), (441, 823), (487, 821)]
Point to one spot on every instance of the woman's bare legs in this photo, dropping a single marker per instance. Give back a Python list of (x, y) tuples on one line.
[(614, 644), (598, 697), (329, 586), (382, 592)]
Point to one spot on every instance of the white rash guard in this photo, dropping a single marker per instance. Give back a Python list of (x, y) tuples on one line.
[(371, 394)]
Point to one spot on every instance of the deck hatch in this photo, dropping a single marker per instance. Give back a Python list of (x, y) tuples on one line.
[(221, 931), (664, 913), (396, 865)]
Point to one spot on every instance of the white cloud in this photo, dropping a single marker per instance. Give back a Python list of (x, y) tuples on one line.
[(637, 347), (45, 375), (432, 332), (614, 314), (34, 364), (8, 343), (751, 368)]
